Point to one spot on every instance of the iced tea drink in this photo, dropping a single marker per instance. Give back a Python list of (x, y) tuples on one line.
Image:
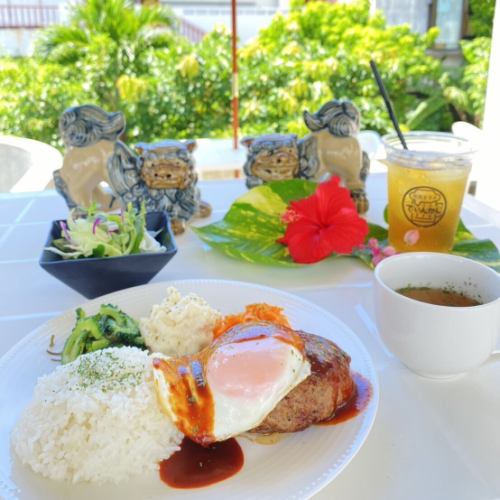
[(426, 186)]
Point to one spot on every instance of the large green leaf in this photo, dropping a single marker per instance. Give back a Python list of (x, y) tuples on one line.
[(483, 251), (378, 232), (424, 110), (467, 245), (251, 227)]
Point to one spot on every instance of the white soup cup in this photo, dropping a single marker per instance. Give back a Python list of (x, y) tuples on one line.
[(437, 341)]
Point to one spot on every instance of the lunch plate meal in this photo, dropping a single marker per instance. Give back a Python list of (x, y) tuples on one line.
[(182, 389)]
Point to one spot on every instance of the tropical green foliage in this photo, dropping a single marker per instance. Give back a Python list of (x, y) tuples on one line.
[(475, 73), (33, 95), (99, 57), (252, 225), (125, 57), (107, 41), (322, 51), (481, 17), (461, 91)]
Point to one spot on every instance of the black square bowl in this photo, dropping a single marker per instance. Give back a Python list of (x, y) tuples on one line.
[(94, 276)]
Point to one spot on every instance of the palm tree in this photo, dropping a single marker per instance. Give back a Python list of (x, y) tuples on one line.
[(133, 28), (109, 38)]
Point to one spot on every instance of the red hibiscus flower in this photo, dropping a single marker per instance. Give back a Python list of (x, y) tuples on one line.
[(324, 223)]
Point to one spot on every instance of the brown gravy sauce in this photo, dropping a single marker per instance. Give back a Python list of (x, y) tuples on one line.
[(191, 397), (195, 466), (358, 402)]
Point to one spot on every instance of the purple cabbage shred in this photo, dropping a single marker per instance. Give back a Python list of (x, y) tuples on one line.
[(96, 223)]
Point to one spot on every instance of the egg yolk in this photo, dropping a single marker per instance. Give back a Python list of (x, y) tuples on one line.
[(247, 369), (252, 362)]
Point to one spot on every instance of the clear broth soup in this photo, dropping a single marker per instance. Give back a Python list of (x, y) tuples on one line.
[(438, 296)]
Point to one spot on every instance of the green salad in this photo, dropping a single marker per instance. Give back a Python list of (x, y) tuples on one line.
[(93, 233)]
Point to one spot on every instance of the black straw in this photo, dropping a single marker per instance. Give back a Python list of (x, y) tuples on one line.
[(387, 102)]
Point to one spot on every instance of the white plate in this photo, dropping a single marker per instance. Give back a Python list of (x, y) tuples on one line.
[(296, 467)]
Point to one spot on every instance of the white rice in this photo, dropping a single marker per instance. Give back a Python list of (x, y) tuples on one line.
[(179, 325), (96, 419)]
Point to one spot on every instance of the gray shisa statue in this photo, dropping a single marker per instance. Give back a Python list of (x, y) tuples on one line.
[(332, 148), (90, 135), (98, 167)]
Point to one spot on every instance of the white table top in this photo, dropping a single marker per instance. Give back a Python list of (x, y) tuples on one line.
[(432, 440)]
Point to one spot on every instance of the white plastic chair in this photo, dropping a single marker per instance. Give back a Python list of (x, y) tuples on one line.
[(476, 138), (371, 144), (26, 165)]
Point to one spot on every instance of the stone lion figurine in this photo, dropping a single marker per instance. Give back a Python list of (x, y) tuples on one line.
[(99, 168), (275, 157), (332, 148), (162, 176), (89, 134), (334, 129)]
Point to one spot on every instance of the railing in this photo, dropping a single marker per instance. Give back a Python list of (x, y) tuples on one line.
[(28, 16), (226, 11), (39, 16), (189, 30)]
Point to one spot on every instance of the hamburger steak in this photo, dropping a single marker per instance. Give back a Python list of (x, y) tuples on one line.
[(329, 387)]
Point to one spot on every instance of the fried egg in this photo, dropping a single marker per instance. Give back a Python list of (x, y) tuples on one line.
[(232, 385)]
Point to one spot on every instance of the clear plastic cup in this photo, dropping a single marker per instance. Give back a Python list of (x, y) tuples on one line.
[(426, 186)]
